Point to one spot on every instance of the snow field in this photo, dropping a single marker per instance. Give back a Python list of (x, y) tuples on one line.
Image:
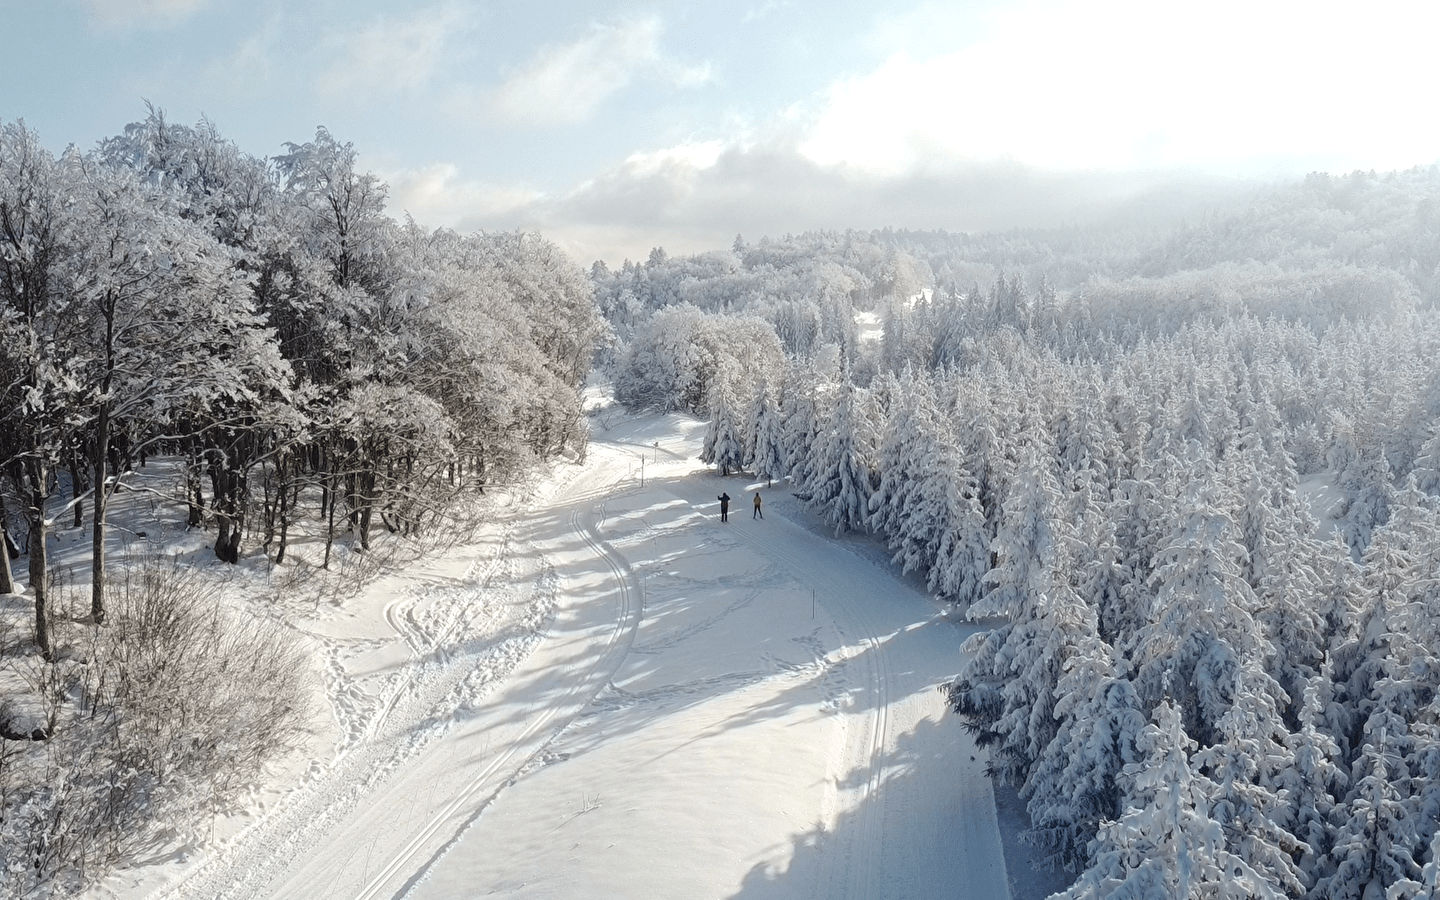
[(758, 740), (614, 694)]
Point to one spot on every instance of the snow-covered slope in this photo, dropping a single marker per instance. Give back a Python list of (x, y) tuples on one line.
[(615, 694)]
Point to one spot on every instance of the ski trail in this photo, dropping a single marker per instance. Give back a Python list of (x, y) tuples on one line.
[(556, 715), (875, 610), (581, 694), (370, 798), (860, 876)]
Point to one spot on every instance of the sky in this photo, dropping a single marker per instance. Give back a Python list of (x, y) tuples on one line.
[(616, 127)]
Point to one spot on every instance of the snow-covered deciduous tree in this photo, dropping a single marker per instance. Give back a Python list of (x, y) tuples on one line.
[(169, 326), (40, 329)]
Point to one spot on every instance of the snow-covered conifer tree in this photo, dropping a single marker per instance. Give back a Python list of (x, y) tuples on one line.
[(1076, 783), (1314, 783), (802, 421), (1428, 887), (1375, 843), (722, 447), (903, 459), (1030, 588), (1246, 766), (1368, 488), (1167, 844), (1200, 624), (1279, 565), (1427, 464), (765, 444), (963, 556), (839, 482)]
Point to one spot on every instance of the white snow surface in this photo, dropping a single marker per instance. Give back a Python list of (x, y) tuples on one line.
[(615, 694)]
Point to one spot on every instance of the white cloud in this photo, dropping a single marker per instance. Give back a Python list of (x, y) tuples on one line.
[(438, 196), (698, 155), (391, 57), (124, 14), (249, 69), (1132, 83), (568, 82)]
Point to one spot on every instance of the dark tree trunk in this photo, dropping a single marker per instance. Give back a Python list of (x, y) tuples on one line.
[(194, 500), (366, 482), (329, 528), (97, 533), (8, 551), (227, 484), (77, 487), (7, 578), (37, 481), (283, 513)]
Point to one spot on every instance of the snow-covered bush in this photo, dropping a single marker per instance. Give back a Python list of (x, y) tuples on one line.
[(154, 722)]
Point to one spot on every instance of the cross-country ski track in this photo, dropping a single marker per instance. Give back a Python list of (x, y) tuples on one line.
[(615, 694)]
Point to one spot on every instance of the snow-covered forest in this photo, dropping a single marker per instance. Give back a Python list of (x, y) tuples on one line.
[(313, 364), (1183, 476), (1188, 475)]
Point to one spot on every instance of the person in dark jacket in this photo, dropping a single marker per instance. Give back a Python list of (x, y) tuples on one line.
[(757, 514), (724, 507)]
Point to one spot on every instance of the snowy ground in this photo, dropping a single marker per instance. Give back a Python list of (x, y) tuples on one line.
[(612, 693)]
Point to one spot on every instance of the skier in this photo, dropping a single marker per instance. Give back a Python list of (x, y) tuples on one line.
[(724, 507), (757, 514)]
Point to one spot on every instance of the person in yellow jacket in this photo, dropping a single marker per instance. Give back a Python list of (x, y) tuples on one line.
[(757, 514)]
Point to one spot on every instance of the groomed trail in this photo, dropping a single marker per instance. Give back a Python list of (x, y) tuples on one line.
[(614, 694)]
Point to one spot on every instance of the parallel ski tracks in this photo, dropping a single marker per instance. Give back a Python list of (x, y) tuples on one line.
[(422, 643), (863, 877), (581, 693)]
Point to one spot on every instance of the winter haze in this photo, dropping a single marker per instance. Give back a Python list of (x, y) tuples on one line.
[(617, 128)]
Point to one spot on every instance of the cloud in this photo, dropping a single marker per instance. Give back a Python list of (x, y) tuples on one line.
[(390, 57), (249, 69), (1063, 112), (1135, 84), (696, 197), (566, 83), (127, 14), (437, 195)]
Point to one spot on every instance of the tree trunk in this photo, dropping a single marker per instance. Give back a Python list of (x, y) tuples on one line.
[(36, 490), (329, 525), (38, 564), (283, 513), (227, 490), (7, 578), (77, 487), (366, 481), (97, 532), (8, 551), (194, 500)]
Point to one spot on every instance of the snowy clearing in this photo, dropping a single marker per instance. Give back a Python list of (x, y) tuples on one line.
[(616, 694)]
